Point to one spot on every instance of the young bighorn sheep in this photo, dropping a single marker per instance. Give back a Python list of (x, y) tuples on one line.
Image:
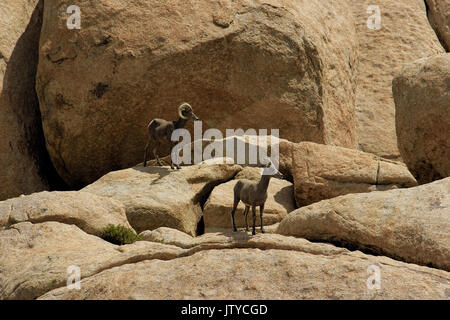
[(253, 194), (160, 130)]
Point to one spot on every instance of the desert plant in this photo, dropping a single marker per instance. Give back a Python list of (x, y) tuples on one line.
[(119, 235)]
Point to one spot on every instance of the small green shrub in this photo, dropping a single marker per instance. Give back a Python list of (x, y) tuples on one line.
[(119, 235)]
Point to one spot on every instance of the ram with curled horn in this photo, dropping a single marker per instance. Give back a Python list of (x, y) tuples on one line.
[(160, 131)]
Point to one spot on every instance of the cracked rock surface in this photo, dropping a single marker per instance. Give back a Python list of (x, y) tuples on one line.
[(89, 212), (160, 197), (422, 103), (34, 257), (239, 266), (412, 224), (322, 172), (405, 35)]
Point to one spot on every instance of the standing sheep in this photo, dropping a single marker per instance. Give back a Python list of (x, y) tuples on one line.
[(160, 130), (253, 194)]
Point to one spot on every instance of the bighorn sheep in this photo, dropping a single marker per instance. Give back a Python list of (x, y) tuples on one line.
[(160, 130), (253, 194)]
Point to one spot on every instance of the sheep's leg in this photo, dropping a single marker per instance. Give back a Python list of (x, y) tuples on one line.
[(146, 153), (254, 220), (157, 158), (174, 165), (236, 202), (261, 210), (247, 209), (177, 165), (155, 154), (171, 163)]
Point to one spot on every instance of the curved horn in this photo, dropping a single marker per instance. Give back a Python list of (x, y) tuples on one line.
[(183, 107)]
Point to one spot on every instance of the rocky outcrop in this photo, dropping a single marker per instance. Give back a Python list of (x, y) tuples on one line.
[(24, 164), (233, 240), (322, 172), (439, 16), (412, 224), (217, 209), (169, 236), (160, 197), (322, 72), (34, 258), (262, 267), (249, 64), (174, 265), (405, 35), (422, 102), (89, 212), (245, 150)]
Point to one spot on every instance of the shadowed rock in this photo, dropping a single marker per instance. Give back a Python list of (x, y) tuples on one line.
[(422, 103)]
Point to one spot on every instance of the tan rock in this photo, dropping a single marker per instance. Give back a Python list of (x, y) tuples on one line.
[(249, 173), (233, 240), (221, 240), (408, 224), (270, 266), (247, 151), (439, 16), (322, 172), (249, 64), (89, 212), (169, 236), (217, 209), (405, 36), (160, 197), (23, 158), (238, 266), (422, 102), (34, 258)]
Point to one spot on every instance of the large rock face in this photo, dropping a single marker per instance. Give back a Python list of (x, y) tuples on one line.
[(250, 64), (322, 172), (22, 147), (405, 36), (89, 212), (422, 102), (439, 16), (159, 197), (34, 258), (408, 224), (236, 266), (216, 212)]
